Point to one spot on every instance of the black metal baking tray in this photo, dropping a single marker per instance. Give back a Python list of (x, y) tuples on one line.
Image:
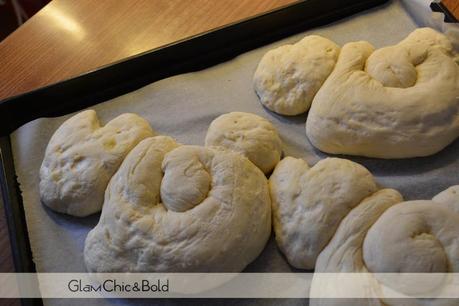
[(107, 82)]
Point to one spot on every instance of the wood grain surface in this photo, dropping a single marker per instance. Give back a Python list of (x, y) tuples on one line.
[(67, 37), (453, 7)]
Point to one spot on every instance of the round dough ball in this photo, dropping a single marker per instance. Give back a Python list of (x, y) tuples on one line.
[(173, 208), (413, 237), (249, 134), (395, 66), (288, 77), (82, 156), (397, 102)]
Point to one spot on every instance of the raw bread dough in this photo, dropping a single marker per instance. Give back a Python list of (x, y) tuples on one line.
[(449, 198), (288, 77), (396, 102), (249, 134), (308, 203), (395, 66), (82, 156), (172, 208), (408, 237), (343, 254)]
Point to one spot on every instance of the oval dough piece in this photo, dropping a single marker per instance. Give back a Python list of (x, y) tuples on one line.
[(253, 136), (287, 78), (308, 203), (172, 208), (82, 156), (355, 113)]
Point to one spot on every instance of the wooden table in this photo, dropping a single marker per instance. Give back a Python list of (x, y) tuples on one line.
[(453, 7), (67, 38)]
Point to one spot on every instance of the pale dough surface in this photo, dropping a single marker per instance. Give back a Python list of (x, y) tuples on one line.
[(57, 241), (344, 251), (396, 102), (449, 198), (390, 236), (309, 203), (249, 134), (288, 77), (82, 156), (173, 208)]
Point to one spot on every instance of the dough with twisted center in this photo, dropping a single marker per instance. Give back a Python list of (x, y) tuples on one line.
[(287, 78), (181, 209), (408, 237), (249, 134), (82, 156), (309, 203), (396, 102)]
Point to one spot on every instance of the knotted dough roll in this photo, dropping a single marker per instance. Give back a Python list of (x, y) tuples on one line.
[(173, 208), (409, 237), (334, 218), (396, 102), (253, 136), (309, 203), (288, 77), (82, 156)]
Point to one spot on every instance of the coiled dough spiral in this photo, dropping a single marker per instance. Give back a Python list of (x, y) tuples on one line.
[(82, 156), (399, 101), (408, 237), (334, 218), (177, 208), (396, 102)]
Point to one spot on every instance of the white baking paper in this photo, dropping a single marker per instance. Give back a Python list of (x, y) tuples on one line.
[(183, 107), (422, 14)]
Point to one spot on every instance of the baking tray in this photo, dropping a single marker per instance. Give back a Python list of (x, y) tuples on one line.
[(191, 54)]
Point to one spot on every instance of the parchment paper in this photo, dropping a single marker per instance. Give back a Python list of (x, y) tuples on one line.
[(183, 107)]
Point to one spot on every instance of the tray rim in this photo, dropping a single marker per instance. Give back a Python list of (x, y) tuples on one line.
[(149, 51), (10, 188), (43, 101)]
